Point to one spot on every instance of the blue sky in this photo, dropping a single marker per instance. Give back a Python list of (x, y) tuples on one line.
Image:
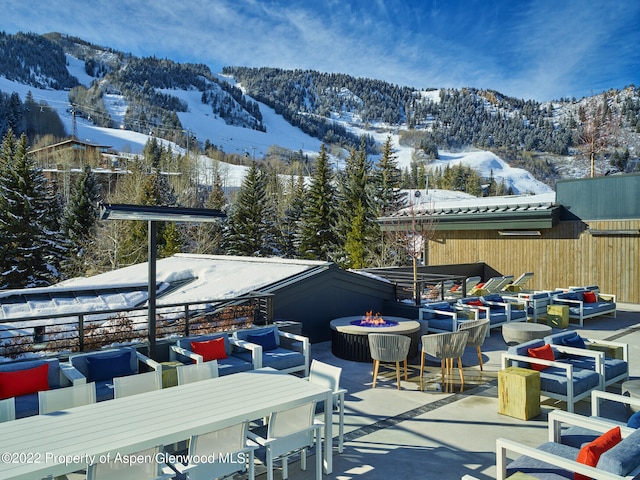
[(542, 49)]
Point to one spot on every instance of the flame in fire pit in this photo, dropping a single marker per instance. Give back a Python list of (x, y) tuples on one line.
[(371, 320)]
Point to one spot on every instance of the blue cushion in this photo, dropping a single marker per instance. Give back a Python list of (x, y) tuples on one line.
[(108, 366), (634, 420), (574, 340), (493, 297), (267, 340), (242, 334), (554, 380), (542, 470), (623, 457)]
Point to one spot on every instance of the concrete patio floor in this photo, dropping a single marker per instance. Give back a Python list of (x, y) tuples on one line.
[(410, 433)]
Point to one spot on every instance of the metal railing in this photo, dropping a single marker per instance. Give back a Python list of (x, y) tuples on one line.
[(86, 330)]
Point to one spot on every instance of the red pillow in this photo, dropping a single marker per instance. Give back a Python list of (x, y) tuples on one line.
[(545, 353), (590, 297), (23, 382), (210, 349), (475, 303), (455, 288), (590, 453), (480, 285)]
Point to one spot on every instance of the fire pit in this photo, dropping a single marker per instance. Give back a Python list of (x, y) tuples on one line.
[(370, 320), (349, 334)]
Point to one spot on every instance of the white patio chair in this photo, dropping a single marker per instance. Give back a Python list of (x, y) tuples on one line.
[(446, 347), (150, 469), (7, 409), (196, 372), (231, 442), (497, 285), (328, 376), (477, 334), (518, 284), (389, 348), (290, 431), (66, 397), (135, 384)]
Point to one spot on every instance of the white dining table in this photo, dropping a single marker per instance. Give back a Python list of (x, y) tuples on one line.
[(65, 441)]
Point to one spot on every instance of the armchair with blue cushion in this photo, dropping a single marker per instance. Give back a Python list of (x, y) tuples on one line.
[(498, 308), (616, 370), (558, 460), (24, 379), (513, 307), (585, 302), (103, 366), (560, 379), (444, 317), (216, 346), (271, 347)]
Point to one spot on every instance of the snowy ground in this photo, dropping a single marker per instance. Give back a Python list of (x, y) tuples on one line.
[(201, 121)]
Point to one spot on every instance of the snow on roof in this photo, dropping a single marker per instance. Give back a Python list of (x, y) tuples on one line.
[(444, 199), (211, 276)]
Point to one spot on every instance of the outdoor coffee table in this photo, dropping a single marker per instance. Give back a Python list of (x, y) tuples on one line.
[(631, 388), (520, 332)]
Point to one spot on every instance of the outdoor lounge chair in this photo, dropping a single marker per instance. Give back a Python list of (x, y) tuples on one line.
[(443, 317), (616, 370), (518, 284), (498, 285), (556, 460), (103, 366), (216, 346), (559, 378), (487, 287), (271, 347), (469, 284), (23, 380)]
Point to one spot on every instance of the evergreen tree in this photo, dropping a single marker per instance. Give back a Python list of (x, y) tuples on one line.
[(31, 251), (387, 180), (317, 236), (79, 222), (357, 219), (207, 237), (290, 238), (249, 232)]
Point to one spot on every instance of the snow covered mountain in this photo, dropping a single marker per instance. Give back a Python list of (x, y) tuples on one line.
[(211, 108)]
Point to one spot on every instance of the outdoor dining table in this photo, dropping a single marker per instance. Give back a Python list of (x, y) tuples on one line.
[(66, 441)]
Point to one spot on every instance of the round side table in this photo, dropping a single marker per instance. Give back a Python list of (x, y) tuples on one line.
[(520, 332), (632, 389)]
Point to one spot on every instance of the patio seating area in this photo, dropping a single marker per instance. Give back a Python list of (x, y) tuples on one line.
[(447, 428), (403, 433)]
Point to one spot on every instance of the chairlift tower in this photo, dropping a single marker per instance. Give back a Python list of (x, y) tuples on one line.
[(74, 125)]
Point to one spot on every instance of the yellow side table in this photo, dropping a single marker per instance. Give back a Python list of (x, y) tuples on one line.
[(558, 316), (519, 392), (169, 374)]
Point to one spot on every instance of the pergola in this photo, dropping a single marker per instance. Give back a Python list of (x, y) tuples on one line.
[(152, 215)]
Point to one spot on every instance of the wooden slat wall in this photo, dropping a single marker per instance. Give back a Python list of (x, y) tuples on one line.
[(564, 255)]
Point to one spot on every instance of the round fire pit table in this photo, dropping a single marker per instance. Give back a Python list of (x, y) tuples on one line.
[(520, 332), (350, 341)]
